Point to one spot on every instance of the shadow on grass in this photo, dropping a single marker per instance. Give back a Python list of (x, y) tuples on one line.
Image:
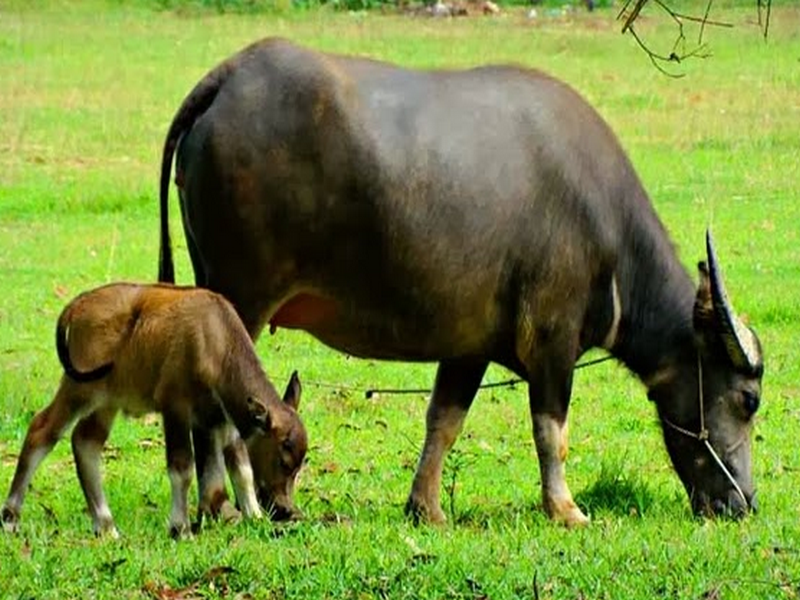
[(617, 492)]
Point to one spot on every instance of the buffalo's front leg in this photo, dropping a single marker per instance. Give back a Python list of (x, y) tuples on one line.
[(456, 384), (549, 393), (88, 440), (550, 435)]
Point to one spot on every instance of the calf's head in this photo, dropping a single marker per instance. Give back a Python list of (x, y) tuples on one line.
[(707, 400), (278, 452)]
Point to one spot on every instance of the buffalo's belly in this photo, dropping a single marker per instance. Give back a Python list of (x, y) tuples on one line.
[(378, 328)]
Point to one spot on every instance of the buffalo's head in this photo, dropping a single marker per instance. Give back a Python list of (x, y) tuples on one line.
[(277, 455), (707, 400)]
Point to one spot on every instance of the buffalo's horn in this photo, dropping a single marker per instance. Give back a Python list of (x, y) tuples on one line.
[(741, 343)]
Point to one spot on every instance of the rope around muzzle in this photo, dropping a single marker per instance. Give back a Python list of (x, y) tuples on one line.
[(703, 435)]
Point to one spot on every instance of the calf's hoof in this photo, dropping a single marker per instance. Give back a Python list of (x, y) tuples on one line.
[(228, 513), (180, 531), (10, 518), (420, 511), (109, 534)]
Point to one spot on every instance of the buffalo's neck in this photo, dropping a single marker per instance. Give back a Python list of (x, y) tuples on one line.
[(657, 297)]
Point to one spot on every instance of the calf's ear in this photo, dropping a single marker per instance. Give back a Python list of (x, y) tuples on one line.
[(293, 390), (260, 414)]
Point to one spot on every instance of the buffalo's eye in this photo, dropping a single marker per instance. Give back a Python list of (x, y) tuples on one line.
[(750, 401)]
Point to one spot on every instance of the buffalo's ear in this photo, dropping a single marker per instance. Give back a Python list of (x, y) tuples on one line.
[(703, 303), (259, 413), (293, 390)]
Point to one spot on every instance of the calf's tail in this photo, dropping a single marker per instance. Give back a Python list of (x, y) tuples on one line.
[(62, 347)]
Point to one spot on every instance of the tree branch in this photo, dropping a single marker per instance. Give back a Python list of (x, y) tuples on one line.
[(632, 9)]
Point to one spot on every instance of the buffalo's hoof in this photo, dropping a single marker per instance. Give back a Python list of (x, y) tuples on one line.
[(567, 513), (421, 512), (106, 530)]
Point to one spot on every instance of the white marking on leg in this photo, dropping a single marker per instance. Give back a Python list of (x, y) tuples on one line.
[(87, 462), (244, 488), (179, 515), (611, 336), (551, 446), (443, 427), (240, 471)]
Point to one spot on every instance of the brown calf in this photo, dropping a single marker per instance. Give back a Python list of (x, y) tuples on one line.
[(181, 352)]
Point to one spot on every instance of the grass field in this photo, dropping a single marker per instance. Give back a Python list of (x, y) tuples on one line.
[(86, 95)]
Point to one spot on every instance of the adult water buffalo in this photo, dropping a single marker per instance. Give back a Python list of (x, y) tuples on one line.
[(461, 217)]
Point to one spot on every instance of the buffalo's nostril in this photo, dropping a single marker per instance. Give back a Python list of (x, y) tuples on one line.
[(738, 506), (719, 507)]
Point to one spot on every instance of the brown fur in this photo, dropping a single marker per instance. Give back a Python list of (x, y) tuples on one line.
[(181, 352)]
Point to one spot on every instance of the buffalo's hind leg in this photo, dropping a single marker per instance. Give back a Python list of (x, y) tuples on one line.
[(88, 440), (457, 382), (550, 386), (46, 428)]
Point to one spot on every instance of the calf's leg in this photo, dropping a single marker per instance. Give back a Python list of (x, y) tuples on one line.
[(177, 435), (212, 495), (237, 461), (457, 382), (45, 430), (88, 440)]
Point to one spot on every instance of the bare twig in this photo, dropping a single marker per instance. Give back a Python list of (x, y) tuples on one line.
[(633, 14), (704, 20), (632, 10), (762, 5), (703, 24), (657, 59)]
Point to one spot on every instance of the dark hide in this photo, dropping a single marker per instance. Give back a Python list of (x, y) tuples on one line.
[(463, 217)]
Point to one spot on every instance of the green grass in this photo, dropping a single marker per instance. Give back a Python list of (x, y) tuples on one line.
[(88, 91)]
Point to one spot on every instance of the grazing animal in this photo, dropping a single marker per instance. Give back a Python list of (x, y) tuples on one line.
[(463, 217), (181, 352)]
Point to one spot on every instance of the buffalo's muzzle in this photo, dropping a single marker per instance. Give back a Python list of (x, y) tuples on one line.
[(733, 507)]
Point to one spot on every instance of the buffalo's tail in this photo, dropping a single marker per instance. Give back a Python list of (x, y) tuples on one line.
[(194, 105)]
